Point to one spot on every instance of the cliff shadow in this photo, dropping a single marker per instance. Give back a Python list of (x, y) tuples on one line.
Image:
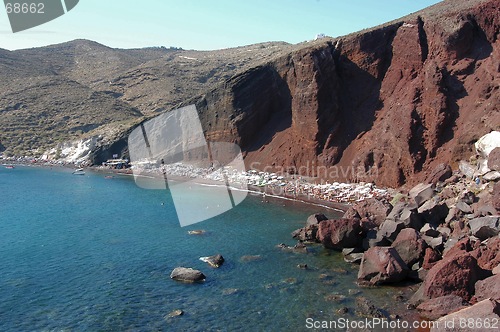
[(263, 102), (360, 84)]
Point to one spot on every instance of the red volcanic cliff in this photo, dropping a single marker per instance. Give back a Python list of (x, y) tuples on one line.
[(398, 99)]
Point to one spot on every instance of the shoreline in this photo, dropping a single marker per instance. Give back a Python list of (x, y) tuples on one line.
[(265, 191), (318, 192), (252, 190)]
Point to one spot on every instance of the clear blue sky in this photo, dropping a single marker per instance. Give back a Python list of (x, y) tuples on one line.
[(207, 24)]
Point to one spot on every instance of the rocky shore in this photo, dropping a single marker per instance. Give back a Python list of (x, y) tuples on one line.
[(443, 234)]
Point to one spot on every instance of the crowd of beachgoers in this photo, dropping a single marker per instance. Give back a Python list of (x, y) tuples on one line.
[(272, 183), (267, 182)]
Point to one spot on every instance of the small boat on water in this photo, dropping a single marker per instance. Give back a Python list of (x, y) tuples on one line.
[(79, 171), (10, 166)]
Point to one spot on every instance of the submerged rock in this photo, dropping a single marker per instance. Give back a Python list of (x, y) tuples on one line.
[(250, 258), (175, 313), (197, 232), (306, 234)]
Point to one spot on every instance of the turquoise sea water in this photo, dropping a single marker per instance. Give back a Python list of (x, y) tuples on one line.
[(86, 253)]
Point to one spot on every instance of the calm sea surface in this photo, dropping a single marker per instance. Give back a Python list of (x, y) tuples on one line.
[(86, 253)]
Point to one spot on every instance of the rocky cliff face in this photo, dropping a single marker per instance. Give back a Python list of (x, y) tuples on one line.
[(385, 105)]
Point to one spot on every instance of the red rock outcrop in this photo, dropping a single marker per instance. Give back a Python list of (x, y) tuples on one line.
[(387, 105), (453, 275)]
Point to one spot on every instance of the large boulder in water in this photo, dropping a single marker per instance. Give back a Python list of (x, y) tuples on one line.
[(340, 233), (306, 234), (186, 274), (214, 261), (381, 265)]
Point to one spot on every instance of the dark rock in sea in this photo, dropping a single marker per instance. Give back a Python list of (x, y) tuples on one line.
[(485, 227), (340, 233), (300, 247), (441, 306), (410, 246), (494, 159), (175, 313), (306, 234), (488, 288), (453, 275), (421, 193), (315, 219), (484, 311), (381, 265), (365, 308), (214, 261), (187, 275), (197, 232), (440, 173)]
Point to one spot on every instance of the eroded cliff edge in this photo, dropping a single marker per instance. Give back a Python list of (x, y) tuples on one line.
[(400, 98)]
